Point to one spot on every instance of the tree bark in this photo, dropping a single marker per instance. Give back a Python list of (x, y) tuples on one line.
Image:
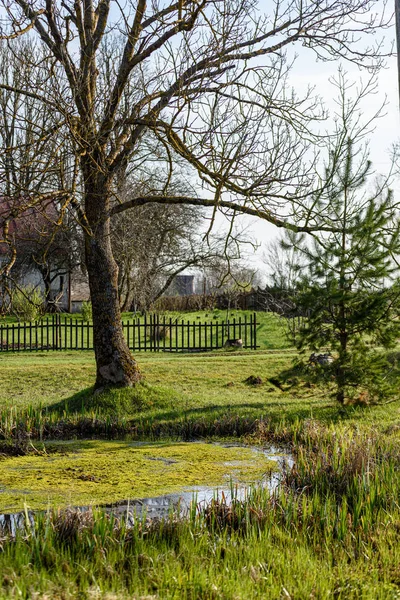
[(114, 361), (341, 378), (47, 288)]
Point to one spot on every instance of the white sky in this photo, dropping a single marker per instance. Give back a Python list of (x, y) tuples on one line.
[(387, 128)]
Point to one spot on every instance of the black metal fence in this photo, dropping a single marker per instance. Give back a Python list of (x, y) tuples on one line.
[(150, 333)]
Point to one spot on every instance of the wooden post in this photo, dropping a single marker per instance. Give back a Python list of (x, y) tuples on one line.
[(69, 307), (59, 330), (397, 14), (165, 332)]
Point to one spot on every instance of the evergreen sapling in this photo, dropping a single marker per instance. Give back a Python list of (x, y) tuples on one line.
[(348, 288)]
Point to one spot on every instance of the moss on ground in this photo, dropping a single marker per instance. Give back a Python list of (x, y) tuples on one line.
[(103, 472)]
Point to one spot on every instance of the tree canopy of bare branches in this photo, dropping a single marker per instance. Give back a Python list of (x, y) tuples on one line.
[(201, 83)]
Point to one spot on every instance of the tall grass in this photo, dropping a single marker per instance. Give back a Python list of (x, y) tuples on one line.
[(36, 423), (329, 531)]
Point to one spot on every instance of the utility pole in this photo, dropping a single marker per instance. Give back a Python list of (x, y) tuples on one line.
[(397, 14)]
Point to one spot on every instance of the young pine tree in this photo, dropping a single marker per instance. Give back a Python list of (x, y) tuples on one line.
[(348, 288)]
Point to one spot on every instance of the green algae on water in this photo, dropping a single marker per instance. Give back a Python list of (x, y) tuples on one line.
[(81, 473)]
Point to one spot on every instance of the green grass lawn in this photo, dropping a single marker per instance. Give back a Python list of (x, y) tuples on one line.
[(181, 386), (330, 532)]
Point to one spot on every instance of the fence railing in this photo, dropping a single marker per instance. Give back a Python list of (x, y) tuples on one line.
[(150, 333)]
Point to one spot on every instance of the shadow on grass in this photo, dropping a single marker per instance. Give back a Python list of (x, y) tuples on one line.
[(77, 403), (116, 402), (147, 410)]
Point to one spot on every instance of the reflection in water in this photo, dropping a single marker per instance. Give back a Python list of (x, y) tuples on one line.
[(9, 523), (162, 506)]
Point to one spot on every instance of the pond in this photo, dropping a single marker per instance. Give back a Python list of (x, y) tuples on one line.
[(136, 478)]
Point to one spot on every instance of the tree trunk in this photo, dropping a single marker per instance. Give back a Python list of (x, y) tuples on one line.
[(341, 378), (114, 361), (340, 394), (45, 273)]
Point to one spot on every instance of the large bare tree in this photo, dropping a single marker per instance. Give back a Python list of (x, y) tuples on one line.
[(199, 81)]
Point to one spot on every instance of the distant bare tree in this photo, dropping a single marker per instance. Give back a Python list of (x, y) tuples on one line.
[(36, 235), (282, 263), (51, 248), (229, 278), (152, 246)]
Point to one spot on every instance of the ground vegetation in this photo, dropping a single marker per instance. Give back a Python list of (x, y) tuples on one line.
[(332, 527)]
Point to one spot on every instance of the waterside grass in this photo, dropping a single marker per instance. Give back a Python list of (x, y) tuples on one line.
[(308, 540)]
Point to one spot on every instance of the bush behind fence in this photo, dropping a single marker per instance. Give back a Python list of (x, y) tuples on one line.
[(274, 300)]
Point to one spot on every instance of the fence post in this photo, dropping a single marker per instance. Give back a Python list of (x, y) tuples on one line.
[(59, 330), (145, 331), (183, 334), (255, 331), (165, 333), (55, 331)]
